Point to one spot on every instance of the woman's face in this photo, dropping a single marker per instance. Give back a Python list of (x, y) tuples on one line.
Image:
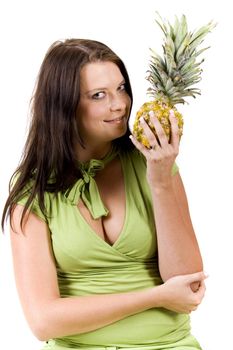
[(104, 106)]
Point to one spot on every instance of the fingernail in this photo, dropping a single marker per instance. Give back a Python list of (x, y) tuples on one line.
[(151, 113), (172, 114)]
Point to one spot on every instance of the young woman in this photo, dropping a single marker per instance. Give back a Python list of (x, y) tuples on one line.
[(104, 251)]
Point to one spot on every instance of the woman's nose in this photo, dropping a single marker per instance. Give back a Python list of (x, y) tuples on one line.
[(117, 103)]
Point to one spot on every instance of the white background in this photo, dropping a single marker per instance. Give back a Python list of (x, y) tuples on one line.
[(27, 30)]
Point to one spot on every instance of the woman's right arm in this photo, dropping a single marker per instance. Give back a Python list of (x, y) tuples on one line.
[(51, 316)]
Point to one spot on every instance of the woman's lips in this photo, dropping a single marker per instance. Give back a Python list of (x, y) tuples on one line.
[(115, 120)]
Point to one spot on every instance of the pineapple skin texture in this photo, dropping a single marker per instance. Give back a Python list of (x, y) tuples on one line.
[(161, 111)]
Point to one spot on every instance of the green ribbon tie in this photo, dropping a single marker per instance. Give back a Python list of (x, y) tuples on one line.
[(86, 187)]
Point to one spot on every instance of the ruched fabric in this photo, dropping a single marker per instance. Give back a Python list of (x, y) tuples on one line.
[(187, 343)]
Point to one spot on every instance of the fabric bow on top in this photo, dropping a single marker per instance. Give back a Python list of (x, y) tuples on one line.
[(86, 187)]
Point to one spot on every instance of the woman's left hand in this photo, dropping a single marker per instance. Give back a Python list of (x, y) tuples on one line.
[(162, 154)]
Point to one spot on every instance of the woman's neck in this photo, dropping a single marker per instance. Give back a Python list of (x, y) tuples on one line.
[(90, 152)]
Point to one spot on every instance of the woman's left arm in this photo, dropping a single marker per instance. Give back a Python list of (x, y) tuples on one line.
[(178, 249)]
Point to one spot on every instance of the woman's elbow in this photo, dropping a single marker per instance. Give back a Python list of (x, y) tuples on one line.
[(184, 269), (40, 331), (40, 326)]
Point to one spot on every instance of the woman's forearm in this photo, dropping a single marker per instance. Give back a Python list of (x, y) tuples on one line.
[(177, 245), (74, 315), (61, 317)]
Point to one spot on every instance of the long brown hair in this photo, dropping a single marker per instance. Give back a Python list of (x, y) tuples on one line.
[(49, 157)]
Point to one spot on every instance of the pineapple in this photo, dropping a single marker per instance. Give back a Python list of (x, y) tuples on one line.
[(172, 76)]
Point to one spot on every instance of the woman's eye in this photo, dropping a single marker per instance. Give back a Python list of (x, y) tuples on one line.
[(98, 95), (122, 87)]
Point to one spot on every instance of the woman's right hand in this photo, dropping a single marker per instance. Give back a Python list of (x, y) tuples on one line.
[(177, 295)]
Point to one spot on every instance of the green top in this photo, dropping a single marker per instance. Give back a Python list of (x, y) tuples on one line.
[(87, 265)]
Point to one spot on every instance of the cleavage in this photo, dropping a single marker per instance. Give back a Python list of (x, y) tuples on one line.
[(110, 182)]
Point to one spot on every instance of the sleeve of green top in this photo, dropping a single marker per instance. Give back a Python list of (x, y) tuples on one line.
[(34, 206)]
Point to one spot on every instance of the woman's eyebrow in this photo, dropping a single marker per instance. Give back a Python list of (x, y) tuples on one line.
[(102, 88)]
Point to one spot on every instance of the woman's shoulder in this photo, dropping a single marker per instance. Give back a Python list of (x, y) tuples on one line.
[(26, 195), (134, 163)]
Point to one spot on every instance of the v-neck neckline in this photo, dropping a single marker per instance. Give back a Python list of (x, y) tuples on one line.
[(122, 232)]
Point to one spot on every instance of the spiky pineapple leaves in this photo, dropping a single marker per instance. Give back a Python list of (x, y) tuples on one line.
[(173, 75)]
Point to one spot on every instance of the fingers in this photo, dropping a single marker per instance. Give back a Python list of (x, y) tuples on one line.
[(201, 291), (197, 297), (139, 145), (163, 141), (195, 286), (198, 294), (196, 277), (175, 138), (180, 296), (149, 134)]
